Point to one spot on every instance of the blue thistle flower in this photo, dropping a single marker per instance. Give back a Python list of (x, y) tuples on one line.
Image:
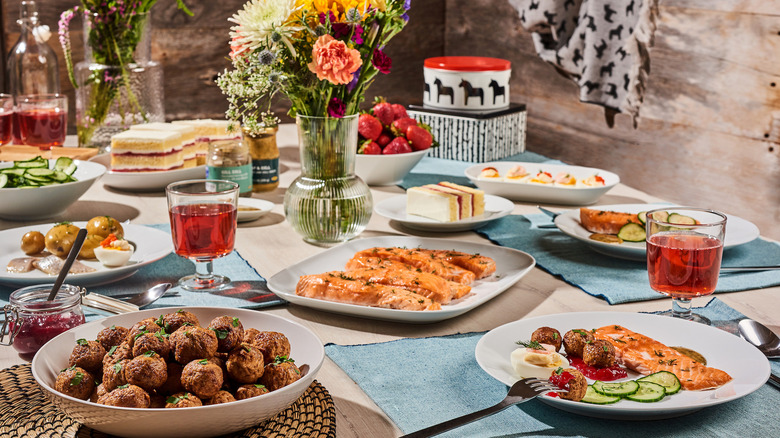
[(266, 57), (353, 15)]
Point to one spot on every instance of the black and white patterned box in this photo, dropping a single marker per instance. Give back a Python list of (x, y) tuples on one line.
[(474, 137)]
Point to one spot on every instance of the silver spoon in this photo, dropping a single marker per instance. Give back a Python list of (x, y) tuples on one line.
[(113, 305), (149, 296), (764, 339)]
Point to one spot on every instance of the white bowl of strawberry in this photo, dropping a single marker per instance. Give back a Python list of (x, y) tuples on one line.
[(390, 144)]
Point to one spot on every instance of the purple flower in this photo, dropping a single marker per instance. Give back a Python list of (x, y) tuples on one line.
[(340, 30), (357, 37), (407, 4), (336, 108), (353, 83), (330, 17), (382, 62)]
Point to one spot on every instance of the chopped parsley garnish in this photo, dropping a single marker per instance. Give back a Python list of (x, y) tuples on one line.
[(82, 341), (246, 347), (257, 385), (77, 378), (150, 353), (123, 386), (282, 359), (221, 334), (533, 345), (203, 361), (559, 370), (235, 322), (117, 367), (112, 350)]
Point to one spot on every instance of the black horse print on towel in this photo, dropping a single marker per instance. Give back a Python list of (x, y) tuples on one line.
[(444, 91), (471, 91), (498, 90)]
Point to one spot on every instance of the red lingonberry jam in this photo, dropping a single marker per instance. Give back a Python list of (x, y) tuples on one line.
[(37, 330), (608, 374), (561, 380)]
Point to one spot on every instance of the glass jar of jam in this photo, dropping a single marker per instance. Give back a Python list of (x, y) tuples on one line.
[(32, 320)]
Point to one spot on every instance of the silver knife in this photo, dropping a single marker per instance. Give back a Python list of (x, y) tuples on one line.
[(748, 268)]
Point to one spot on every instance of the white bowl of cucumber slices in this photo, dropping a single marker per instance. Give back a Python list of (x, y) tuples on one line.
[(40, 189)]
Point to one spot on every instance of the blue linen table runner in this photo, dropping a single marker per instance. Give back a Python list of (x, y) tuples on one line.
[(441, 380)]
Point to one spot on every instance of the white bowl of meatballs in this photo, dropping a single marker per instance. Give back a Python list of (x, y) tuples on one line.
[(178, 372)]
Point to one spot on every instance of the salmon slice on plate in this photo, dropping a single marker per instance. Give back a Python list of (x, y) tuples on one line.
[(480, 265), (422, 261), (645, 355), (605, 222), (423, 283), (457, 290)]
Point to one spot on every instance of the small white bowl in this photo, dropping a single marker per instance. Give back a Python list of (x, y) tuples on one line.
[(48, 201), (202, 421), (386, 170), (250, 209)]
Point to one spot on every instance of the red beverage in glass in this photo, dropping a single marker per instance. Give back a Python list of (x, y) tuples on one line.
[(43, 127), (6, 128), (203, 231), (683, 265)]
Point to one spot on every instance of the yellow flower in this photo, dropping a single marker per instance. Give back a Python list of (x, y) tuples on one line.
[(340, 7)]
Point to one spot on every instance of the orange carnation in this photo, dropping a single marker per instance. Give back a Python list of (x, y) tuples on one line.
[(332, 60)]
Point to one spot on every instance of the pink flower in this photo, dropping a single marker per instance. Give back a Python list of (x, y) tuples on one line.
[(382, 62), (333, 61)]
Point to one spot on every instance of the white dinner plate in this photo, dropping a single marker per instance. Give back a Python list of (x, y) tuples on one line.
[(145, 181), (395, 208), (511, 265), (748, 367), (738, 231), (544, 193), (150, 245), (253, 208)]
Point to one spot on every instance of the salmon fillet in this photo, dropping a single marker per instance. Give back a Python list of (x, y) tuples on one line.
[(422, 261), (480, 265), (605, 222), (457, 290), (646, 356), (339, 287), (423, 283)]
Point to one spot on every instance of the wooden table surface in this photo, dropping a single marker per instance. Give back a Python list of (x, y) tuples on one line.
[(270, 245)]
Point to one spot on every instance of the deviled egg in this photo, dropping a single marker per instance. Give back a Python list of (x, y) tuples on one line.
[(114, 252), (539, 363)]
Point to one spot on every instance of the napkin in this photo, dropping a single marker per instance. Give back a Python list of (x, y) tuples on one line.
[(434, 170), (440, 379), (249, 290), (612, 279)]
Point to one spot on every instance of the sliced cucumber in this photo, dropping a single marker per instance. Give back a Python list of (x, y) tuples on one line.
[(3, 180), (593, 397), (39, 172), (661, 216), (667, 379), (35, 173), (65, 164), (642, 215), (632, 232), (620, 389), (32, 163), (648, 392), (675, 218), (13, 171)]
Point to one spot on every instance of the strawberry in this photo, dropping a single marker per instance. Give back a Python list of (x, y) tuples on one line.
[(384, 112), (419, 137), (399, 112), (399, 145), (400, 125), (369, 127), (369, 147), (384, 139)]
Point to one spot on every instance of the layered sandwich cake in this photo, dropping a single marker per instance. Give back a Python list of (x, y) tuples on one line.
[(146, 151), (189, 149), (208, 130), (445, 202)]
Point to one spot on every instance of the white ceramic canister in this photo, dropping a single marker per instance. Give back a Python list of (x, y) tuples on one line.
[(466, 83)]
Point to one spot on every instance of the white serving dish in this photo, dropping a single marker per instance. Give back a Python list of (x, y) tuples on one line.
[(385, 170), (259, 208), (204, 421), (145, 181), (511, 266), (748, 367), (547, 193), (395, 209), (48, 201)]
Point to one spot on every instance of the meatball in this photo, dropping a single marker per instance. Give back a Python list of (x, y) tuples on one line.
[(149, 371), (202, 378), (114, 376), (190, 343), (100, 391), (599, 353), (248, 391), (173, 384), (573, 382), (126, 396), (229, 331), (280, 374), (157, 401), (149, 325), (547, 335), (156, 342), (250, 334), (115, 354), (245, 364), (220, 397), (574, 341), (182, 400), (75, 382), (272, 344), (88, 355), (176, 320), (112, 336)]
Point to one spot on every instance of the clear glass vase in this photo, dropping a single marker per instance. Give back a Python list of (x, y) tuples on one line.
[(328, 203), (112, 96)]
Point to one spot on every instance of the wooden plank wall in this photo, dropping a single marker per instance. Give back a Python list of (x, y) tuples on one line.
[(709, 128)]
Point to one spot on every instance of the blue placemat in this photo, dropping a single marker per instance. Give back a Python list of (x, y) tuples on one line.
[(249, 289), (434, 170), (420, 382), (617, 280)]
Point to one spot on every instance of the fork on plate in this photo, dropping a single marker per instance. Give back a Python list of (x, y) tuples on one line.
[(522, 391)]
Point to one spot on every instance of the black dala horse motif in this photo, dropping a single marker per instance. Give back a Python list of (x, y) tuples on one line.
[(444, 91), (498, 90), (472, 92), (427, 89)]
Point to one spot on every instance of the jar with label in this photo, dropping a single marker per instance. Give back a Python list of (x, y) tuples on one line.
[(265, 159), (229, 160)]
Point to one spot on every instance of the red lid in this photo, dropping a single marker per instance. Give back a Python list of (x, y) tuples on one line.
[(468, 63)]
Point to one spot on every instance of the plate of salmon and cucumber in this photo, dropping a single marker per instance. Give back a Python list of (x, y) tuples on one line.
[(619, 230)]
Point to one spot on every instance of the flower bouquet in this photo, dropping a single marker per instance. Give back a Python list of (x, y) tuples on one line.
[(322, 55), (117, 54)]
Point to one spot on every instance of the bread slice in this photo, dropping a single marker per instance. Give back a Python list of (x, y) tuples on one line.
[(433, 204), (477, 197)]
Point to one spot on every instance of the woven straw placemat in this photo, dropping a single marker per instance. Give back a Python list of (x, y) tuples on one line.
[(26, 412)]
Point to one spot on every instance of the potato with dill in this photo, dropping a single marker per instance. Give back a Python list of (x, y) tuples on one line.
[(103, 226), (33, 242), (60, 238)]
